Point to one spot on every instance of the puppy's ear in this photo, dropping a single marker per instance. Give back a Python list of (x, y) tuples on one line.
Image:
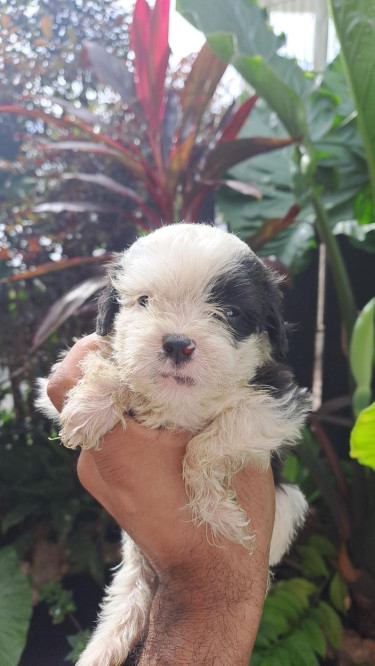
[(107, 308), (275, 324)]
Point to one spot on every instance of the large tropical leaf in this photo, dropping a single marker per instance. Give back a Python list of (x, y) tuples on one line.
[(238, 33), (15, 608), (355, 26)]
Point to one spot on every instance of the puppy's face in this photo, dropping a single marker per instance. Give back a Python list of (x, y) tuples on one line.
[(194, 314)]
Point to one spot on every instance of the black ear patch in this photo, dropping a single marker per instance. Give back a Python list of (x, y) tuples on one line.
[(108, 306), (275, 325)]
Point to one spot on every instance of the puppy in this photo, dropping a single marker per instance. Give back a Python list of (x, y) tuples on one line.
[(192, 338)]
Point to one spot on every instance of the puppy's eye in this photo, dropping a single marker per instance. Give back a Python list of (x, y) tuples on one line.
[(143, 301), (231, 312)]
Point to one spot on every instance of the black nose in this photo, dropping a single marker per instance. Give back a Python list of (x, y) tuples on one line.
[(178, 347)]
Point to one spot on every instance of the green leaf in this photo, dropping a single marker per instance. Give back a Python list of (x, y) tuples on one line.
[(281, 98), (361, 236), (273, 617), (313, 563), (323, 545), (301, 588), (253, 52), (355, 27), (282, 656), (332, 624), (15, 608), (78, 643), (286, 603), (290, 468), (362, 437), (361, 355), (314, 636), (22, 510), (339, 593), (301, 652), (59, 601)]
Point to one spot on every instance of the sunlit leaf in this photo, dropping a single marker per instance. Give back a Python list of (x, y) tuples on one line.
[(355, 26), (362, 438)]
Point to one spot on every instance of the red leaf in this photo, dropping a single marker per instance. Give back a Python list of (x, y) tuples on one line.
[(199, 88), (238, 119), (52, 266), (272, 227), (226, 155), (122, 155), (65, 307), (149, 41), (109, 70), (178, 162)]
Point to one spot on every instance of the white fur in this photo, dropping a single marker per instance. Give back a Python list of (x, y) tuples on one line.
[(231, 422)]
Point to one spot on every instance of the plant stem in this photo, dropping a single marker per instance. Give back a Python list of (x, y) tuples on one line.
[(340, 276)]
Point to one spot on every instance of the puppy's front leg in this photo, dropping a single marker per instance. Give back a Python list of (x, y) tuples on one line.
[(209, 467), (94, 405)]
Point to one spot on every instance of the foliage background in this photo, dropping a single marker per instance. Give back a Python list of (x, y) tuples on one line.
[(56, 543)]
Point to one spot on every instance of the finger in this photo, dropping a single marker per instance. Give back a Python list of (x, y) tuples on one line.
[(69, 371)]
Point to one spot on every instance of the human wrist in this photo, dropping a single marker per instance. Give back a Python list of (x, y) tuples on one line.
[(210, 615), (190, 626)]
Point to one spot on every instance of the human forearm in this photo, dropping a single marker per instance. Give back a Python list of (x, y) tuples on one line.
[(201, 631), (207, 611)]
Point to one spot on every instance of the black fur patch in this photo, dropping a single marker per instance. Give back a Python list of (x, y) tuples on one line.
[(107, 308), (278, 380), (254, 294)]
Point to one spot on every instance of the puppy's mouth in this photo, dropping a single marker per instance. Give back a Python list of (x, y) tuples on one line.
[(179, 379)]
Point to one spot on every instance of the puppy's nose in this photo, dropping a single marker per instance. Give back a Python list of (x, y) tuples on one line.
[(178, 347)]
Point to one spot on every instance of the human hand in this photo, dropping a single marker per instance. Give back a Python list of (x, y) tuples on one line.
[(137, 476)]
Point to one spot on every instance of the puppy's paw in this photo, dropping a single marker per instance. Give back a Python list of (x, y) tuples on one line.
[(225, 518), (85, 424), (215, 504)]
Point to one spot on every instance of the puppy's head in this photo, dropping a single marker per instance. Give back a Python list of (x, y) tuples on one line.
[(193, 314)]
